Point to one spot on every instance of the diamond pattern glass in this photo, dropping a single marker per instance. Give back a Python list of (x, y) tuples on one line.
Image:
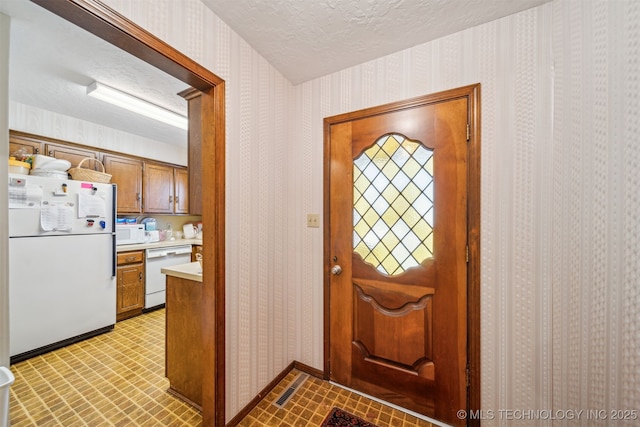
[(393, 204)]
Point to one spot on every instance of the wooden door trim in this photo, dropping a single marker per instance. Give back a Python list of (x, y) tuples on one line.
[(104, 22), (472, 93)]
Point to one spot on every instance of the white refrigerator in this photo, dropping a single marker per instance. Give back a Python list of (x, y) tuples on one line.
[(62, 262)]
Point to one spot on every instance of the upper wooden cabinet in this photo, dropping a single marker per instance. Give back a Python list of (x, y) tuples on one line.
[(158, 188), (166, 189), (181, 190), (29, 145), (73, 154), (126, 173), (143, 186)]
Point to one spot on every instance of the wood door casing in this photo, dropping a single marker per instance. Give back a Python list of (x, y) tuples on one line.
[(103, 22), (401, 337)]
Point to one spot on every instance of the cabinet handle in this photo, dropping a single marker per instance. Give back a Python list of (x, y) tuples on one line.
[(140, 277), (138, 196), (37, 151), (50, 153), (131, 258), (177, 199), (170, 199)]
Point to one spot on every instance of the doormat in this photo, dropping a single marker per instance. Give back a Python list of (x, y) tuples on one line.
[(339, 418)]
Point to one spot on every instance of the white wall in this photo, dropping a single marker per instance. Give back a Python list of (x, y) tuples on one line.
[(5, 26), (559, 210)]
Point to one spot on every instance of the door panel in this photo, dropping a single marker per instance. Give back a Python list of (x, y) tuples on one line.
[(398, 188)]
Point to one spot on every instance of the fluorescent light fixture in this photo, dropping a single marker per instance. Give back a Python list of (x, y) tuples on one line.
[(137, 105)]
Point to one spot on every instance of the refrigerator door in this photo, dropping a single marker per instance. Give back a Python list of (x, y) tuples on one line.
[(40, 206), (59, 288)]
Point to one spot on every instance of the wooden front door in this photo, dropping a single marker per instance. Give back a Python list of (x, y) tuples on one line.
[(396, 221)]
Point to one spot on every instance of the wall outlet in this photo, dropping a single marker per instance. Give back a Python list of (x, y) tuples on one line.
[(313, 220)]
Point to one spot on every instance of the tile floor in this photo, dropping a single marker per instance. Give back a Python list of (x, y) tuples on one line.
[(114, 379), (117, 379), (313, 401)]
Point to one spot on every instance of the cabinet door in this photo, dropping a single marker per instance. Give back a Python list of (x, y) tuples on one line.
[(130, 289), (158, 188), (181, 186), (127, 174), (29, 147), (73, 154)]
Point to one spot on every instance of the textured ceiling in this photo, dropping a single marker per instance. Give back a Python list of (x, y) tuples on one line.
[(305, 39), (52, 61)]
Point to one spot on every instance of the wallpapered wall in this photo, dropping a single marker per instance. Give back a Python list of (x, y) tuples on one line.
[(559, 196), (595, 209)]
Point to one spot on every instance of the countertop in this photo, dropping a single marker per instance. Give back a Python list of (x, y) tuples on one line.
[(190, 271), (163, 244)]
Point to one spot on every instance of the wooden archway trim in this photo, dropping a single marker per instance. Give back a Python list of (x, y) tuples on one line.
[(104, 22)]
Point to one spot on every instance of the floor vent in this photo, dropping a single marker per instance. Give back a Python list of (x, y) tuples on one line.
[(291, 390)]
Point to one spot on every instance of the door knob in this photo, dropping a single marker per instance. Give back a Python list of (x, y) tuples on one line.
[(336, 269)]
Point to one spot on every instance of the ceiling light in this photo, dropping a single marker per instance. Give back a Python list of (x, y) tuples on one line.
[(124, 100)]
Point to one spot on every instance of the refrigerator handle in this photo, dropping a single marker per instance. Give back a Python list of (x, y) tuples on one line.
[(114, 260), (114, 204)]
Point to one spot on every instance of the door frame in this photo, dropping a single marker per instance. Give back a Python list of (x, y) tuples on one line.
[(104, 22), (472, 93)]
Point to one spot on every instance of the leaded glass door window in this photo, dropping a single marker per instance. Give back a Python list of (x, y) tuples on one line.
[(393, 204)]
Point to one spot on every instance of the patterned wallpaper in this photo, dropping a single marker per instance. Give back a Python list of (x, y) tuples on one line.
[(595, 229), (559, 247)]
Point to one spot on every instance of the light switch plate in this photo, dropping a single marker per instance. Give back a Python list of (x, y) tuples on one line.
[(313, 220)]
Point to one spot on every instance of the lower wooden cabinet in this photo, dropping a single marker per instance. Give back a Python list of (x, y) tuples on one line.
[(130, 289)]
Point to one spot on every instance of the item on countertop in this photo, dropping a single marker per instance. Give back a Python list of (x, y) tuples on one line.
[(178, 234), (150, 224), (82, 174), (169, 232), (121, 220), (152, 236), (189, 231)]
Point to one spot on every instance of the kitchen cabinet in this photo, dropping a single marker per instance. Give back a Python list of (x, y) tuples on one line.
[(143, 186), (130, 286), (29, 145), (73, 154), (158, 188), (184, 348), (195, 249), (126, 172), (181, 190), (166, 189)]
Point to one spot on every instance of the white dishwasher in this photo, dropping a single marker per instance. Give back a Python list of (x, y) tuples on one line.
[(155, 282)]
